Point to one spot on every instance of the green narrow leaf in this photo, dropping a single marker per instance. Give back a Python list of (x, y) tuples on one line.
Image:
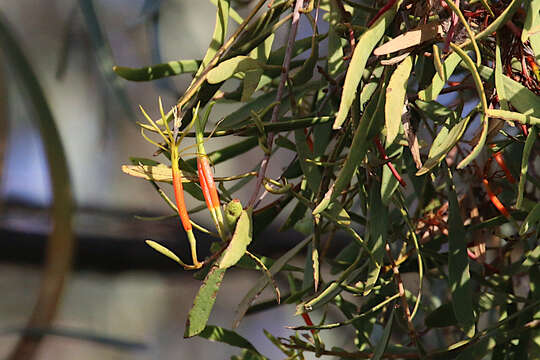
[(531, 221), (204, 301), (377, 228), (378, 352), (371, 86), (389, 183), (356, 153), (240, 240), (164, 251), (335, 43), (226, 336), (310, 170), (228, 68), (438, 112), (530, 27), (250, 83), (432, 91), (232, 13), (306, 71), (276, 57), (531, 138), (395, 98), (442, 316), (243, 115), (523, 99), (362, 51), (458, 263), (153, 72), (446, 139), (263, 281), (220, 33), (297, 213), (262, 52), (499, 82)]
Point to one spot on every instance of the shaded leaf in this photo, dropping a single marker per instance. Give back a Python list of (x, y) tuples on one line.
[(442, 316), (229, 337), (356, 153), (310, 170), (531, 221), (458, 263), (378, 352), (529, 143), (153, 72), (377, 228)]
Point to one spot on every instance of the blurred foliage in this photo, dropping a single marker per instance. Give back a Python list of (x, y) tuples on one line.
[(413, 127)]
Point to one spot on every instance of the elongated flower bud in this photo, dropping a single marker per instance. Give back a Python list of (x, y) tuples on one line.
[(179, 197)]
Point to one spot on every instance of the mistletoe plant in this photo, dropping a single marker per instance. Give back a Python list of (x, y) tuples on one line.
[(412, 128)]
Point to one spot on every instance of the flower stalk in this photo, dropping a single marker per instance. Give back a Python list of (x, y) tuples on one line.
[(173, 143)]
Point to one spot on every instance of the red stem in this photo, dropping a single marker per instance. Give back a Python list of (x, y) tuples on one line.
[(388, 163), (308, 321), (384, 9), (494, 199), (500, 160)]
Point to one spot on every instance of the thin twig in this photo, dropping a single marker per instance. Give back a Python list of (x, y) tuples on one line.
[(353, 355), (253, 202), (401, 290)]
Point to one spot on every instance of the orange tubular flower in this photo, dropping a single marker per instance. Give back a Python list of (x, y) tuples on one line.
[(206, 176), (179, 197), (181, 205), (500, 160), (494, 199), (206, 179)]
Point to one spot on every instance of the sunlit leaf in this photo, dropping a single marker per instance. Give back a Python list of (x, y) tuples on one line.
[(204, 302), (241, 238), (362, 51), (395, 98)]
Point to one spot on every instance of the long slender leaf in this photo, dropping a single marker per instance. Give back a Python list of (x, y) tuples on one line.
[(362, 51), (204, 302), (395, 98), (458, 264), (229, 337)]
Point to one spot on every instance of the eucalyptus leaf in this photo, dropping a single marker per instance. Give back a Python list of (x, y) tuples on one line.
[(204, 302)]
